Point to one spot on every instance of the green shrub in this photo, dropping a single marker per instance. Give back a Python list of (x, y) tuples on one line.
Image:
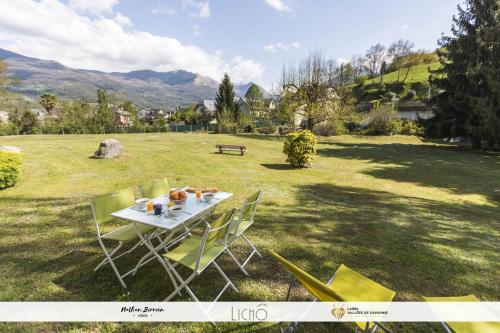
[(360, 80), (267, 130), (10, 166), (384, 121), (300, 149), (330, 128), (410, 127)]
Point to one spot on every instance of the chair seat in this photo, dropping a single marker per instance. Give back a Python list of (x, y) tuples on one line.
[(354, 287), (466, 327), (187, 253), (244, 224), (128, 232)]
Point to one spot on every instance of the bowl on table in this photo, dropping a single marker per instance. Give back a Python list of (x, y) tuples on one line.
[(208, 197), (175, 210)]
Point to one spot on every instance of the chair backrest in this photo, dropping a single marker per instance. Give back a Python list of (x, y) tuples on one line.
[(317, 288), (103, 205), (154, 188), (215, 233), (249, 206), (247, 211)]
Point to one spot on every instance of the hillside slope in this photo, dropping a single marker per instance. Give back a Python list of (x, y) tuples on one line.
[(418, 73), (143, 87)]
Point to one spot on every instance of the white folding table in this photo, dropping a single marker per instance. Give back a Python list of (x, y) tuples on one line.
[(193, 210)]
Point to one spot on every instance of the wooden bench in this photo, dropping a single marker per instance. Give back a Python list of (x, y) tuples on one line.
[(241, 149)]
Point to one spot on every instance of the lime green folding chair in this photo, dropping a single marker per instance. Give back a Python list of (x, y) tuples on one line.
[(465, 327), (154, 188), (198, 253), (244, 221), (345, 285), (102, 206)]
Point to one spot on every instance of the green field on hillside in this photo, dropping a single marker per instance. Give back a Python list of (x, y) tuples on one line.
[(419, 73), (418, 217)]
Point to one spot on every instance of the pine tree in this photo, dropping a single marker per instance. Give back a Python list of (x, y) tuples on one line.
[(468, 102), (225, 100)]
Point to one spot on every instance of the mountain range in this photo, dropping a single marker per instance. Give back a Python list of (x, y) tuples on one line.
[(142, 87)]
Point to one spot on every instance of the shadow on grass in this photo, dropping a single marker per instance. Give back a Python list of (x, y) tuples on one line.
[(433, 166), (412, 245), (278, 166)]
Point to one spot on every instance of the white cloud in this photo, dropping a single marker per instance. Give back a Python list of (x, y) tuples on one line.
[(342, 61), (163, 9), (244, 68), (279, 5), (52, 30), (197, 8), (123, 20), (405, 27), (276, 47), (93, 6)]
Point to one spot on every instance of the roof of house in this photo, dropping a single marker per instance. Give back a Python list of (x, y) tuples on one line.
[(209, 104)]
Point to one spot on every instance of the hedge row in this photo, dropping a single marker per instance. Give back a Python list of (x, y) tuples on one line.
[(10, 167)]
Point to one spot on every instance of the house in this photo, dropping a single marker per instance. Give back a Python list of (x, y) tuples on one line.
[(149, 115), (4, 117), (123, 117), (414, 111), (242, 105), (206, 106)]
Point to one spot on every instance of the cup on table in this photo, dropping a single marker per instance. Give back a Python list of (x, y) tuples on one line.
[(208, 197), (198, 194), (141, 203), (149, 206)]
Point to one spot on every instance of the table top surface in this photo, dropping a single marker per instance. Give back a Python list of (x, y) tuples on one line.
[(193, 208)]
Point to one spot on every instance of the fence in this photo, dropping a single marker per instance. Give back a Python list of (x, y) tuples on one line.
[(192, 128)]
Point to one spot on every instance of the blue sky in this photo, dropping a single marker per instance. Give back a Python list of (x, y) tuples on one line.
[(249, 39)]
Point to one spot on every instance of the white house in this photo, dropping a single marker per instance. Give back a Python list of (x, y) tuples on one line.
[(206, 106)]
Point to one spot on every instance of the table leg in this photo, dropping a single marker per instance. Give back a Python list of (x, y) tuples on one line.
[(153, 251)]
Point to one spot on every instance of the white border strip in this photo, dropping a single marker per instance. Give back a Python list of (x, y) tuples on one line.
[(248, 311)]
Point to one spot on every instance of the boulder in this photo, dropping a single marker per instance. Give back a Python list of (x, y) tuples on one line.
[(108, 149), (10, 149)]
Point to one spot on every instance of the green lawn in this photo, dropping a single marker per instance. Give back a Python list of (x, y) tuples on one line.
[(418, 73), (417, 217)]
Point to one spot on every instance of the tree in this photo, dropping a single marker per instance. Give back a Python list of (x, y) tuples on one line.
[(104, 117), (344, 74), (49, 102), (374, 58), (254, 100), (225, 100), (383, 70), (306, 91), (397, 51), (189, 115), (357, 62), (468, 102), (25, 122), (130, 108)]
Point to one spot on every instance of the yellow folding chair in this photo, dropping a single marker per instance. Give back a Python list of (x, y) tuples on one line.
[(345, 285), (465, 327)]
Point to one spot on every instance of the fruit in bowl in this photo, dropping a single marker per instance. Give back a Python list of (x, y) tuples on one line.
[(178, 195)]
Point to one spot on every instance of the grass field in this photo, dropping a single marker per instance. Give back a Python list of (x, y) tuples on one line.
[(418, 73), (420, 218)]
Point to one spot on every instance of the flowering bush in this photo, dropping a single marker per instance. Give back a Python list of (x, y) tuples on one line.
[(300, 149), (10, 166)]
